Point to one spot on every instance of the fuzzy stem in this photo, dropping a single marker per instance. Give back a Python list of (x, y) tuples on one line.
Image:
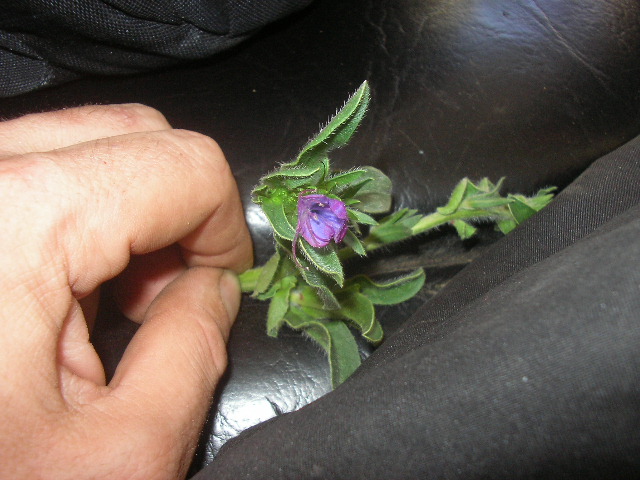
[(426, 223), (436, 219), (249, 279)]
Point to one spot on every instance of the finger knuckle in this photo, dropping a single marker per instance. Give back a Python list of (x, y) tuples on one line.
[(135, 117), (31, 182), (36, 199), (204, 152), (198, 141), (125, 118)]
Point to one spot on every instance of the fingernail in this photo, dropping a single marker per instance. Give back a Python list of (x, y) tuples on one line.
[(230, 293)]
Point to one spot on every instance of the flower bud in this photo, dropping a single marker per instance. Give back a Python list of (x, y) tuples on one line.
[(321, 219)]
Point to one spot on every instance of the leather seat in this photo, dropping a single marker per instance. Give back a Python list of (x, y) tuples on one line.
[(530, 90)]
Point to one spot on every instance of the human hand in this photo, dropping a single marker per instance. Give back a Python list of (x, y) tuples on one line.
[(89, 194)]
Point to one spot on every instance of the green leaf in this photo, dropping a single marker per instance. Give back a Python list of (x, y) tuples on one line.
[(311, 167), (464, 229), (477, 202), (391, 292), (324, 259), (538, 201), (305, 296), (520, 210), (335, 338), (279, 306), (285, 268), (267, 274), (260, 192), (505, 226), (340, 128), (311, 275), (344, 356), (304, 173), (469, 196), (249, 279), (390, 233), (274, 210), (485, 186), (341, 181), (359, 309), (316, 279), (354, 243), (542, 198), (457, 195), (360, 217), (393, 228), (404, 216), (375, 194), (482, 202)]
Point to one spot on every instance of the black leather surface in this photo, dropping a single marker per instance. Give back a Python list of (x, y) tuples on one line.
[(530, 90)]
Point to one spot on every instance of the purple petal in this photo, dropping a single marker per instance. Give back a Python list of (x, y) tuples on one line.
[(321, 219)]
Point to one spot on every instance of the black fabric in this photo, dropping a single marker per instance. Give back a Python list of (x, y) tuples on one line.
[(525, 366), (43, 42)]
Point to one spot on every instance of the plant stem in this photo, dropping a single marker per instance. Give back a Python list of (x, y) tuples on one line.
[(249, 279), (426, 223), (436, 219)]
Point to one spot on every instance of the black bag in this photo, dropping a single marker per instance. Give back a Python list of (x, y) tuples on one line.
[(44, 42)]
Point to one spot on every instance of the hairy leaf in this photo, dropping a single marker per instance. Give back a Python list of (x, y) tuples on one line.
[(335, 338), (359, 309), (465, 230), (340, 128), (324, 259), (275, 213), (279, 305), (375, 193), (267, 274), (390, 292)]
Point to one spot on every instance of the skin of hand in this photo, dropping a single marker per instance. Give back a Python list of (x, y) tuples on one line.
[(90, 194)]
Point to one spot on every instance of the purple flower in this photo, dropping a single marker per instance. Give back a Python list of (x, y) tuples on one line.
[(320, 220)]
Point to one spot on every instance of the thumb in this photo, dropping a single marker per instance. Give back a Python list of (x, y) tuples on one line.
[(177, 356)]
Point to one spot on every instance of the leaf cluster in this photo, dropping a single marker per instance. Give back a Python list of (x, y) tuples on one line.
[(311, 293), (470, 204), (329, 315)]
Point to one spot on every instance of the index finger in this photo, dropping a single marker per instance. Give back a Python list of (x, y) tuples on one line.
[(41, 132), (98, 202)]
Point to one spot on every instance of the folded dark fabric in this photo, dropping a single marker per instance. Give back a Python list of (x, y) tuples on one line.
[(43, 42), (526, 365)]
